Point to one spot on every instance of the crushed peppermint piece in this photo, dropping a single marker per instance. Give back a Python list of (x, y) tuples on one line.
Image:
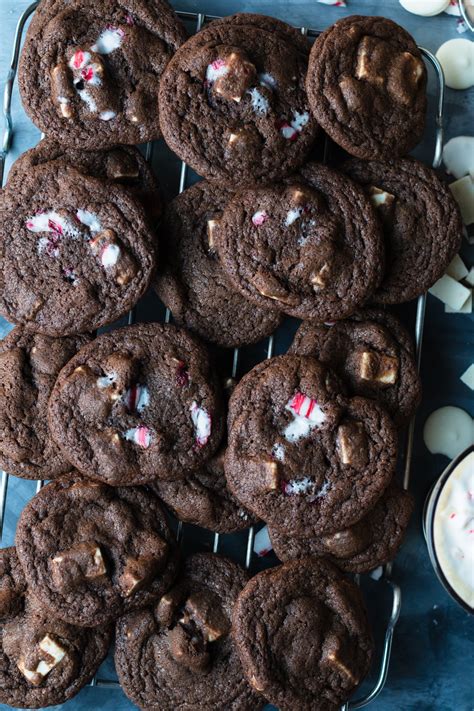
[(89, 220), (278, 452), (307, 415), (182, 375), (71, 276), (335, 3), (109, 255), (293, 215), (79, 59), (267, 80), (259, 102), (202, 423), (258, 218), (216, 69), (136, 398), (107, 115), (106, 381), (109, 40), (140, 435), (291, 130), (262, 544), (297, 486)]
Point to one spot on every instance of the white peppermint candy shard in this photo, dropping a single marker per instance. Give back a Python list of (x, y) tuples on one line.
[(50, 222), (89, 220), (110, 255), (458, 156), (307, 415), (262, 544), (137, 398), (259, 102), (258, 218), (107, 115), (268, 81), (293, 215), (463, 193), (298, 486), (106, 381), (109, 40), (218, 68), (278, 452), (201, 420), (139, 435)]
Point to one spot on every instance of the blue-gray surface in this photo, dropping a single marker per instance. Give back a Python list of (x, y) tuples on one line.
[(431, 667)]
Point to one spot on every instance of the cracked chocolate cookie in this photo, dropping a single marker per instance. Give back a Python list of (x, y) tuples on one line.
[(422, 227), (191, 281), (43, 661), (123, 165), (91, 552), (137, 404), (372, 353), (180, 654), (203, 499), (302, 456), (29, 365), (311, 248), (75, 253), (371, 542), (233, 103), (366, 87), (89, 73), (303, 637)]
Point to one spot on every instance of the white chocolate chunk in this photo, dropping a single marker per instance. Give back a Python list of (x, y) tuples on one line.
[(456, 57), (55, 654), (466, 308), (378, 367), (448, 431), (469, 278), (468, 377), (450, 292), (457, 269), (48, 645), (425, 8), (458, 156), (211, 228), (463, 193), (380, 197)]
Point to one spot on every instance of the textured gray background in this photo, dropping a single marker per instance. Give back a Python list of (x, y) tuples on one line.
[(431, 667)]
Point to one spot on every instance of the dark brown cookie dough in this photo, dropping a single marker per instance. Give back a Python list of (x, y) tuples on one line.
[(180, 654), (74, 253), (311, 248), (29, 366), (422, 226), (43, 661), (89, 72), (301, 456), (369, 352), (233, 103), (371, 542), (203, 499), (123, 165), (91, 552), (366, 86), (303, 636), (191, 281), (137, 404)]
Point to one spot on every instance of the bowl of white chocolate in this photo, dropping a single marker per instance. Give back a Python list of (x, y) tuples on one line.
[(448, 525)]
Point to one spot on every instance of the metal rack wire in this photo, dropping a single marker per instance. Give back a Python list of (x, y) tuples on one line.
[(199, 20)]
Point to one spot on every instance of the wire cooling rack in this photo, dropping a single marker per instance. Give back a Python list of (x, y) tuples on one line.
[(198, 538)]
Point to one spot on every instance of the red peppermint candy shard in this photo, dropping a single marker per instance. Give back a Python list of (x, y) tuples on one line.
[(78, 59), (136, 398), (139, 435), (182, 375), (202, 424), (307, 415), (258, 218), (87, 73)]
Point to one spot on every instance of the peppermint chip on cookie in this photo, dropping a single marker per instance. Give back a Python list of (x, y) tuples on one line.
[(301, 455), (366, 86), (89, 72)]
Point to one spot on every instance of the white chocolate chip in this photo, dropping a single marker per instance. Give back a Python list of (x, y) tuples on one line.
[(380, 197), (458, 156), (211, 227), (468, 377), (463, 193), (457, 269), (450, 292), (48, 645), (54, 652), (466, 308)]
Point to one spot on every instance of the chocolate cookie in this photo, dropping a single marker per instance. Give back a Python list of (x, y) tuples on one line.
[(303, 636), (311, 248), (89, 73), (422, 226), (202, 498), (91, 552), (366, 87), (75, 253), (124, 165), (43, 661), (372, 353), (29, 365), (301, 456), (137, 404), (191, 281), (233, 103), (180, 654), (371, 542)]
